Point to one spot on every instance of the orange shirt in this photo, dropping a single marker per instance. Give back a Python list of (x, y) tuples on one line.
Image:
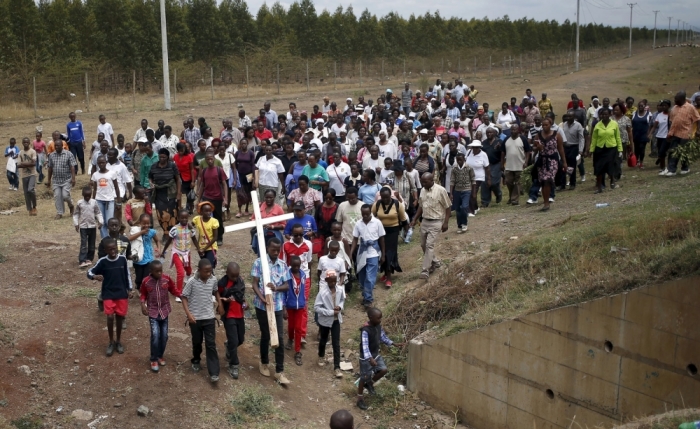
[(51, 149), (682, 120)]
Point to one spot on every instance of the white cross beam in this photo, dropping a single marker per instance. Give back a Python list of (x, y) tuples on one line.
[(258, 224)]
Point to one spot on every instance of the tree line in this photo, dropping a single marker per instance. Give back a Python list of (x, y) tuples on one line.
[(125, 34)]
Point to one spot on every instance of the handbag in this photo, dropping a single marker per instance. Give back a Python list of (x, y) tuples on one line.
[(192, 195), (632, 160)]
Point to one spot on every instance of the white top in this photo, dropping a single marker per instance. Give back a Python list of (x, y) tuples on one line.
[(337, 175), (107, 130), (226, 163), (169, 143), (661, 121), (387, 150), (478, 163), (414, 176), (482, 128), (369, 231), (140, 133), (348, 215), (506, 119), (105, 185), (269, 170), (122, 173), (325, 263), (337, 129), (368, 162)]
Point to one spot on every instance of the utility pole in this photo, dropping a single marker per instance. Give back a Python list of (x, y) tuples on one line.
[(655, 13), (678, 27), (578, 11), (166, 67), (631, 5), (669, 31)]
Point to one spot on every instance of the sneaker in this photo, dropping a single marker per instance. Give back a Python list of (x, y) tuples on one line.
[(370, 388), (572, 188), (663, 172), (11, 188), (289, 344), (214, 378), (281, 379), (551, 200), (321, 361), (110, 350), (471, 215), (233, 371), (685, 171), (123, 324), (669, 174), (641, 166), (499, 199), (531, 201), (464, 228), (120, 348), (84, 264), (264, 370), (177, 299), (583, 178), (361, 404), (297, 359), (303, 341), (383, 279), (161, 362), (459, 230), (154, 366), (338, 373), (219, 242), (15, 188), (196, 367), (424, 276)]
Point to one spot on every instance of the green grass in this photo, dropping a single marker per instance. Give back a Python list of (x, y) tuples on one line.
[(53, 290), (669, 420), (86, 293), (28, 422), (251, 404)]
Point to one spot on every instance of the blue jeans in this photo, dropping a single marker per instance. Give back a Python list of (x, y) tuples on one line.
[(535, 189), (13, 178), (367, 277), (159, 337), (107, 210), (39, 168), (460, 204)]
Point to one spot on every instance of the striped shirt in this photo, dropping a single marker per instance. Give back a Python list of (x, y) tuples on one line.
[(279, 275), (365, 343), (198, 294), (60, 165)]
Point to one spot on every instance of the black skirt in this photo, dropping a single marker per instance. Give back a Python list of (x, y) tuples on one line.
[(391, 248), (604, 160)]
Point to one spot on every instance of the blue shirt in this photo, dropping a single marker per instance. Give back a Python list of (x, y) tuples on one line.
[(306, 221), (75, 132), (147, 247), (279, 275), (366, 193)]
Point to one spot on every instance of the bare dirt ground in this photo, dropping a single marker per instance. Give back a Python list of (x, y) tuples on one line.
[(49, 320)]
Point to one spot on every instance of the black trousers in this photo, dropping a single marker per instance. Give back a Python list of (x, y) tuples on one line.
[(334, 330), (87, 244), (265, 339), (141, 271), (218, 214), (205, 330), (235, 333)]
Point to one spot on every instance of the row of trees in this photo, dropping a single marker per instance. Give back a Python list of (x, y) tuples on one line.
[(125, 34)]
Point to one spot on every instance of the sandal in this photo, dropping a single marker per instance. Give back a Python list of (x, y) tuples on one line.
[(57, 217), (246, 214), (239, 214), (297, 358)]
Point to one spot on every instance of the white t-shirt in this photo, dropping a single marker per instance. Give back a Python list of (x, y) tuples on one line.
[(662, 127), (337, 175), (373, 164), (95, 155), (348, 215), (337, 129), (506, 118), (388, 150), (169, 143), (478, 163), (269, 169), (123, 176), (325, 263), (226, 163), (105, 185), (107, 130), (369, 232)]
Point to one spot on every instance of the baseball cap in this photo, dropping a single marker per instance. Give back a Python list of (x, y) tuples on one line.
[(423, 131), (299, 205)]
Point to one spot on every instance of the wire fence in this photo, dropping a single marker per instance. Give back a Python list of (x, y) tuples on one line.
[(239, 79)]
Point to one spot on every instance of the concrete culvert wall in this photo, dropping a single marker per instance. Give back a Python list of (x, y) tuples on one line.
[(601, 362)]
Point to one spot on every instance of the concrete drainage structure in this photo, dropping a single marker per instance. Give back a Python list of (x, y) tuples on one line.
[(595, 363)]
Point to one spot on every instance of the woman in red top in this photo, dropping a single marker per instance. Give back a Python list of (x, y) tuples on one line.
[(184, 160), (262, 133)]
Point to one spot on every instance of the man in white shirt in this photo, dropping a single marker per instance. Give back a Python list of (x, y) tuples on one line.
[(123, 179), (106, 128), (169, 140), (368, 239), (320, 131), (326, 105), (338, 126), (515, 155), (337, 172), (141, 132)]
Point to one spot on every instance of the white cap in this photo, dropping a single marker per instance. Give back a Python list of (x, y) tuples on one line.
[(475, 143), (142, 140), (319, 121), (348, 99), (423, 131)]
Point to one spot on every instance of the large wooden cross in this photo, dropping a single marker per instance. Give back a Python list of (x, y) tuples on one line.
[(258, 224)]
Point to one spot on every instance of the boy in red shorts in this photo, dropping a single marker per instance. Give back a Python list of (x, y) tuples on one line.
[(113, 272)]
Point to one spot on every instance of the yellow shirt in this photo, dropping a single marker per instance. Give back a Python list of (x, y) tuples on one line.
[(205, 231), (606, 136), (434, 202)]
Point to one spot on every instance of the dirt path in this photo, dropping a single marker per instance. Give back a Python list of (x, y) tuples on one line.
[(49, 321)]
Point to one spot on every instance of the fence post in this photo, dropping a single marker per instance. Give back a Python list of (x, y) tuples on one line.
[(211, 81), (442, 68), (278, 79), (247, 83), (335, 74), (133, 81), (475, 68), (307, 76), (87, 92), (175, 88), (34, 81), (382, 78), (489, 65), (459, 68), (521, 65), (360, 73), (404, 70)]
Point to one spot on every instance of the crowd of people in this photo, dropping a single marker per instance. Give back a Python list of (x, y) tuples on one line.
[(358, 178)]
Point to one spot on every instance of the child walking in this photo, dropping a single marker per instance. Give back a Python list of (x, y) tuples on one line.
[(196, 300), (180, 235), (207, 232), (147, 234), (301, 247), (329, 306), (232, 292), (136, 206), (11, 153), (336, 235), (295, 306), (116, 290), (372, 366), (123, 248), (156, 305), (87, 217)]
